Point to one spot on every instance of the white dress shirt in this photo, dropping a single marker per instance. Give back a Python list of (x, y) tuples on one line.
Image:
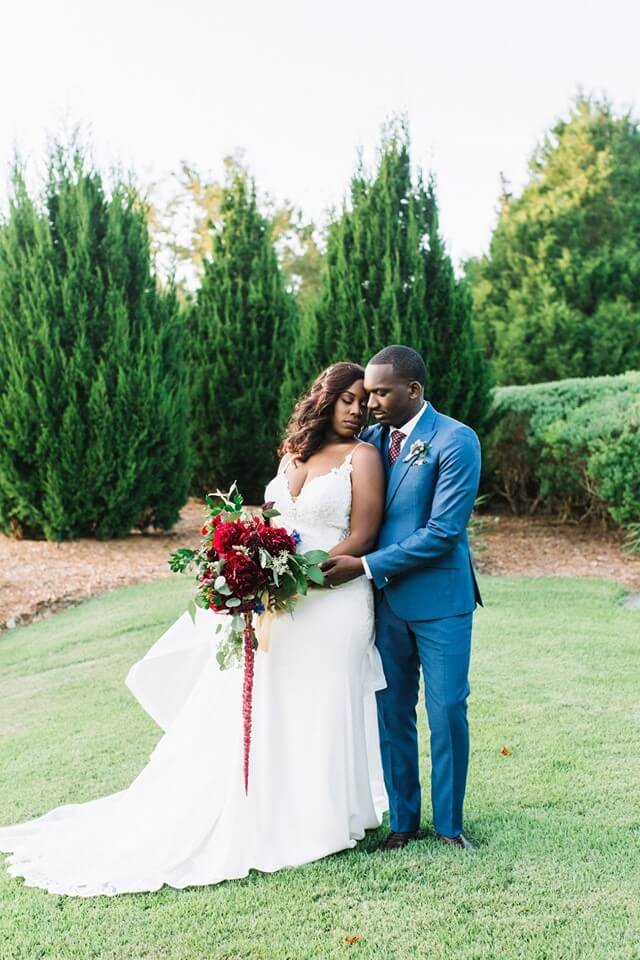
[(406, 428)]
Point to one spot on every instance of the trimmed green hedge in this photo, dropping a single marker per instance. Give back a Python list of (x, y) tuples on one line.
[(571, 447)]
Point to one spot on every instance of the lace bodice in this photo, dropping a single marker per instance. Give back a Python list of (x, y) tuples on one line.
[(321, 513)]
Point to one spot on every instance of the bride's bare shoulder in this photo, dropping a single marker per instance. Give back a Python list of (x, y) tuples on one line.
[(366, 454), (365, 445)]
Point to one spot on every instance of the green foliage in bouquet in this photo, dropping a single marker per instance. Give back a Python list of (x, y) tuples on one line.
[(245, 568), (93, 403)]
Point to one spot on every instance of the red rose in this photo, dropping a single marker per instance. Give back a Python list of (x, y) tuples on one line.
[(276, 540), (243, 575), (227, 535)]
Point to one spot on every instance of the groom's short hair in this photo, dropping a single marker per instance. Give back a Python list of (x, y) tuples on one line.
[(405, 361)]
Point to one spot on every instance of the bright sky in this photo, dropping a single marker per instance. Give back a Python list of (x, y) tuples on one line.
[(300, 84)]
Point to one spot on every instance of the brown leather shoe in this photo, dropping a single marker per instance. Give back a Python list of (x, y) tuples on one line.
[(397, 841), (460, 841)]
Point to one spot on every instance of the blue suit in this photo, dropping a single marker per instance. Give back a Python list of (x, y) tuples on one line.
[(427, 592)]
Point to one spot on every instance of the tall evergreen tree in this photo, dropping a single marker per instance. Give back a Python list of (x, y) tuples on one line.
[(388, 279), (558, 294), (302, 363), (93, 401), (459, 375), (241, 335)]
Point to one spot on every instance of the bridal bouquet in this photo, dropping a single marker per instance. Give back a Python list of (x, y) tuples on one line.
[(249, 571)]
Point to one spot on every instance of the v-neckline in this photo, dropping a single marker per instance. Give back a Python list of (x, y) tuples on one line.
[(307, 483)]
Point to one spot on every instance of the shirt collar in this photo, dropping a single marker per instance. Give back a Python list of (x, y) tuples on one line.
[(410, 425)]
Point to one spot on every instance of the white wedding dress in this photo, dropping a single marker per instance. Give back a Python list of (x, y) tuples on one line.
[(315, 780)]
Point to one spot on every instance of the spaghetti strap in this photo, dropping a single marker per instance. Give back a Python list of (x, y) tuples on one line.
[(285, 463)]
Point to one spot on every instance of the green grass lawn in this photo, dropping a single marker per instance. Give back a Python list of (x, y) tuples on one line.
[(556, 677)]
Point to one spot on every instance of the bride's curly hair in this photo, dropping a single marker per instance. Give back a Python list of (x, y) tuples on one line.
[(307, 429)]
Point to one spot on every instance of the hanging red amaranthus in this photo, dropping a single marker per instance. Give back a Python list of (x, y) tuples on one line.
[(247, 693), (246, 568)]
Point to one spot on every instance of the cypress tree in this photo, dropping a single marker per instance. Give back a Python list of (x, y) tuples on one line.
[(93, 401), (389, 279), (301, 362), (459, 382), (241, 337), (558, 293)]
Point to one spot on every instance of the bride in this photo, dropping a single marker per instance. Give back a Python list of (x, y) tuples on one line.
[(316, 780)]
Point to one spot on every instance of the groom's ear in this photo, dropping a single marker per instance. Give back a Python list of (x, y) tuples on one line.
[(415, 389)]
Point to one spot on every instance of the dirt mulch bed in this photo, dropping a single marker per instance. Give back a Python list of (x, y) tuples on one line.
[(538, 547), (38, 578)]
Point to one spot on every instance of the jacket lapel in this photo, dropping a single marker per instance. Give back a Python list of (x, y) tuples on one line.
[(424, 429), (379, 437), (375, 435)]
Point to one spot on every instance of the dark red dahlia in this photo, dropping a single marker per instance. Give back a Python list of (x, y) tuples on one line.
[(243, 575), (227, 536), (276, 540)]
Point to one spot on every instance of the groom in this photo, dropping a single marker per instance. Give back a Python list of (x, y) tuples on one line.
[(427, 591)]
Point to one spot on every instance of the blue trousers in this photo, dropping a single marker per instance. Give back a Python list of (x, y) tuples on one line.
[(442, 648)]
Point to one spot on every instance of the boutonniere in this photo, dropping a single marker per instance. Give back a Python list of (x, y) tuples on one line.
[(418, 453)]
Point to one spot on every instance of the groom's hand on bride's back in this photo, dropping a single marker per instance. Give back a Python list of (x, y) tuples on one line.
[(341, 569)]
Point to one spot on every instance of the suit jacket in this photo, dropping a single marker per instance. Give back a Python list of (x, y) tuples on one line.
[(422, 560)]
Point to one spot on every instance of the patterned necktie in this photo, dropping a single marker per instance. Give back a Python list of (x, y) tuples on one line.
[(397, 436)]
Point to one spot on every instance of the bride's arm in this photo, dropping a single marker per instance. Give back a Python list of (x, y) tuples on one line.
[(367, 504)]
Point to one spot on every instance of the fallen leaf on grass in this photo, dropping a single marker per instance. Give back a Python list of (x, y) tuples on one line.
[(504, 750), (352, 940)]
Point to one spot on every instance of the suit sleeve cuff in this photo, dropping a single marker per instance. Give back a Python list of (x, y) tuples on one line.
[(373, 565)]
